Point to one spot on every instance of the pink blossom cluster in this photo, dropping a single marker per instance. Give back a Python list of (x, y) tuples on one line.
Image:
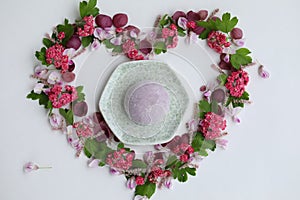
[(83, 129), (212, 125), (54, 55), (237, 82), (120, 160), (60, 98), (88, 27), (130, 50), (157, 173), (171, 36), (61, 35), (217, 41)]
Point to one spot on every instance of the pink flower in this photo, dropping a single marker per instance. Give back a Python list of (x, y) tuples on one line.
[(217, 41), (222, 143), (140, 180), (237, 82), (182, 22), (56, 121), (168, 182), (83, 129), (61, 36), (103, 34), (60, 98), (128, 46), (92, 163), (38, 88), (130, 183), (262, 72), (54, 78), (41, 72), (30, 166), (212, 125)]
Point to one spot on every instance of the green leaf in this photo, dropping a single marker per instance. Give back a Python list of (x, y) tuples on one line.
[(86, 41), (48, 43), (240, 58), (68, 115), (87, 153), (171, 161), (191, 171), (101, 164), (139, 164), (165, 21), (121, 145), (209, 26), (41, 56), (227, 24), (222, 78), (147, 189), (43, 99), (181, 32), (235, 100), (182, 175), (67, 29), (201, 145), (214, 107), (80, 94), (97, 149), (117, 49), (159, 47), (204, 106), (88, 8), (108, 44)]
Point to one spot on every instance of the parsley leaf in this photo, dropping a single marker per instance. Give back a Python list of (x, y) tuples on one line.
[(222, 78), (147, 189), (43, 99), (80, 94), (41, 56), (86, 41), (240, 58), (68, 115), (201, 145), (227, 24), (88, 8), (160, 47)]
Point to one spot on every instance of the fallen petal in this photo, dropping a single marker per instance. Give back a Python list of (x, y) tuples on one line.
[(262, 72), (182, 23), (92, 163), (30, 166), (130, 183), (95, 45)]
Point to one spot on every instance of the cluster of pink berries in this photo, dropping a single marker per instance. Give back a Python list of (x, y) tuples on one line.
[(83, 129), (237, 82), (171, 36), (88, 27), (120, 160), (212, 125), (217, 41), (130, 50), (60, 98), (54, 55)]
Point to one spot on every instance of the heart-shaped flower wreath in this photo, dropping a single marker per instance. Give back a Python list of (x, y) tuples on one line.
[(90, 134)]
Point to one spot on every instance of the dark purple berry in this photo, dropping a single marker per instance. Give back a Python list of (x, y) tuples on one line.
[(203, 14), (120, 20), (218, 95), (74, 42), (80, 109), (198, 30), (178, 14), (68, 77), (145, 47), (71, 67), (103, 21), (193, 16), (132, 28), (236, 33)]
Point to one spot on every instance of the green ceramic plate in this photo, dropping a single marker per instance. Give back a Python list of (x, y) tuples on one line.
[(112, 102)]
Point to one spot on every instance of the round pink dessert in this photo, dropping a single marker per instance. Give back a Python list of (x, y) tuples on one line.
[(147, 103)]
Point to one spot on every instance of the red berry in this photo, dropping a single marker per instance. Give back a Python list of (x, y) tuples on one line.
[(120, 20), (103, 21)]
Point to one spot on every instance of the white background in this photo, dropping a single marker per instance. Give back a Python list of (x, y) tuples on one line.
[(263, 158)]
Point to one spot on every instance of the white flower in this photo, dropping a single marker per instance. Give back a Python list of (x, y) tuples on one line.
[(182, 22), (56, 121), (103, 34), (41, 72), (131, 183), (92, 163), (38, 88), (54, 78)]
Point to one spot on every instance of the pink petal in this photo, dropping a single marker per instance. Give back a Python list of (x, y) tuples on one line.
[(41, 72), (182, 22), (262, 72), (38, 88), (30, 166), (130, 183), (54, 78), (95, 44), (116, 41), (69, 52), (139, 197), (92, 163), (56, 121)]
